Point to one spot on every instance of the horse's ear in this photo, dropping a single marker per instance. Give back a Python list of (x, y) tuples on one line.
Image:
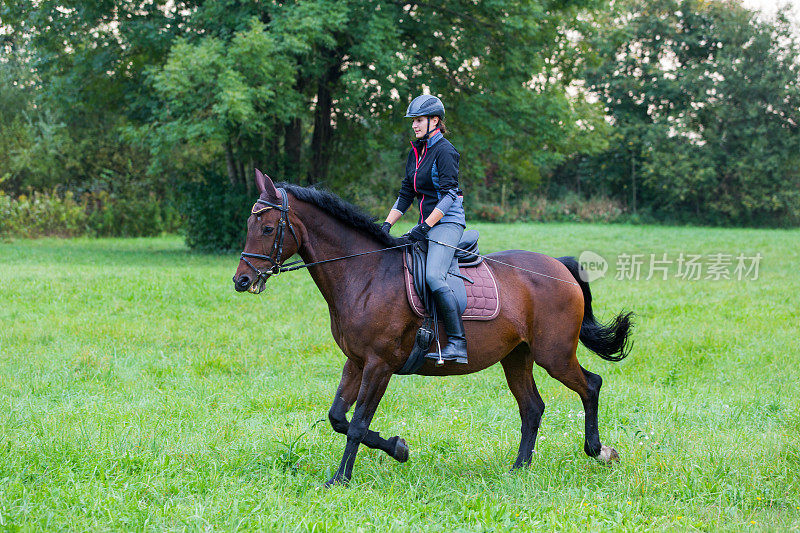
[(260, 181), (265, 186)]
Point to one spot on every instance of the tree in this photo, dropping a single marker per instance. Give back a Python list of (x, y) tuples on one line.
[(83, 64), (304, 64), (220, 99), (503, 70), (348, 68), (705, 101)]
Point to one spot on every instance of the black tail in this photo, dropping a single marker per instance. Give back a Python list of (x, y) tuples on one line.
[(603, 339)]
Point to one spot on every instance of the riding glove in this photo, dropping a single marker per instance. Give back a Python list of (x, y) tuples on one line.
[(419, 232), (386, 228)]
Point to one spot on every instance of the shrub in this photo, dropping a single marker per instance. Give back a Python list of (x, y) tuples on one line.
[(570, 208), (43, 214), (133, 216), (215, 214)]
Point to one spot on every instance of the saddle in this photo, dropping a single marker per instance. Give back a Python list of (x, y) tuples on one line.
[(469, 276), (475, 289)]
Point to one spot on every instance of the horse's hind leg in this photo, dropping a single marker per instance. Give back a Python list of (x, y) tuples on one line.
[(518, 367), (346, 395), (592, 445), (561, 363)]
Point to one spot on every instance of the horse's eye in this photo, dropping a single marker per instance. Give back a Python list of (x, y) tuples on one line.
[(268, 229)]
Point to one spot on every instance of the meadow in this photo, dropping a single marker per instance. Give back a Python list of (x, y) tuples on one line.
[(138, 391)]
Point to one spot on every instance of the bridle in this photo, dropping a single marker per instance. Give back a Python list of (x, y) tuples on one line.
[(277, 247), (277, 244)]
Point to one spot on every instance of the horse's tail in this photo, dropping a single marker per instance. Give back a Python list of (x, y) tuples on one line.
[(605, 340)]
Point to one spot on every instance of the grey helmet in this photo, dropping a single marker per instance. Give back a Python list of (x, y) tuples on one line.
[(425, 105)]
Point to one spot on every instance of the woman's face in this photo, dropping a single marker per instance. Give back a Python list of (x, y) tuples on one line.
[(420, 125)]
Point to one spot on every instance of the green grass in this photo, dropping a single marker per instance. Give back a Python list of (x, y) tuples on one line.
[(139, 391)]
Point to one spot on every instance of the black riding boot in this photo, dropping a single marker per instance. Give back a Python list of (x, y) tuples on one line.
[(447, 309)]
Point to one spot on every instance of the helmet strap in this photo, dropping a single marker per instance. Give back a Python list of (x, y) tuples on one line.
[(428, 129)]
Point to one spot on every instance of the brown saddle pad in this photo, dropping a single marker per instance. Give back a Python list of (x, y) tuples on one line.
[(483, 298)]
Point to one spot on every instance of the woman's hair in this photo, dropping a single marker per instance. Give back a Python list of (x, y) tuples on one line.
[(442, 126)]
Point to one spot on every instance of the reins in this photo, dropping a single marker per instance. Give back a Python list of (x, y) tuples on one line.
[(277, 249), (306, 265), (278, 266), (502, 263)]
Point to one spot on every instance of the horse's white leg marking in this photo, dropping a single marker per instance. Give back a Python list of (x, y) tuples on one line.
[(607, 454)]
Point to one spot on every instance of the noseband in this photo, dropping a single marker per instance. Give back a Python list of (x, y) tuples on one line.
[(277, 244)]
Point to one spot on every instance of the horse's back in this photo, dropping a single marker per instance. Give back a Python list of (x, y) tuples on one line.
[(539, 268), (538, 285)]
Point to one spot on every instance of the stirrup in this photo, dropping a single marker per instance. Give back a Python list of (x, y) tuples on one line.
[(438, 354), (441, 359), (441, 356)]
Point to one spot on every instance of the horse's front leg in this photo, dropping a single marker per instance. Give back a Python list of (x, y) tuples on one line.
[(374, 379), (346, 396)]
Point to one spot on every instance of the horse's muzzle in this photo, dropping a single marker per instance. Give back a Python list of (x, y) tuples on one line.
[(246, 284), (243, 283)]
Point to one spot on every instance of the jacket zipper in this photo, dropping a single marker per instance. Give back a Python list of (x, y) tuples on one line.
[(418, 162)]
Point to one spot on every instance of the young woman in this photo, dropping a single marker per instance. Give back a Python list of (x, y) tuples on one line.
[(432, 176)]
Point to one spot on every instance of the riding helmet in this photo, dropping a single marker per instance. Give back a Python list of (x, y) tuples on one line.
[(425, 105)]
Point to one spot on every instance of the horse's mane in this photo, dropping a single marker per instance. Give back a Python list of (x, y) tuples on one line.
[(348, 213)]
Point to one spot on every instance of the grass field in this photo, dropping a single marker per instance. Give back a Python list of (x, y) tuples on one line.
[(138, 391)]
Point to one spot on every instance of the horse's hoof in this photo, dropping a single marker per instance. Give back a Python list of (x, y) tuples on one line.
[(519, 465), (400, 450), (333, 481), (607, 455)]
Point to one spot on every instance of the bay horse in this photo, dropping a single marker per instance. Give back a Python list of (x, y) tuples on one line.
[(541, 320)]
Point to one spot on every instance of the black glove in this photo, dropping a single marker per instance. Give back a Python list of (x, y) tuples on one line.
[(386, 228), (419, 232)]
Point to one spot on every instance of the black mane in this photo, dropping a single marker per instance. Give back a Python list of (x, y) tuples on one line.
[(346, 212)]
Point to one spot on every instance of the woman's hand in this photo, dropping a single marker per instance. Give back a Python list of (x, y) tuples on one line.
[(419, 232), (386, 228)]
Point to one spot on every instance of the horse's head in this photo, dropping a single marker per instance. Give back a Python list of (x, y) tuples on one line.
[(271, 237)]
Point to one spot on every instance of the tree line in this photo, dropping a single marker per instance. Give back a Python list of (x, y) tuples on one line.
[(677, 110)]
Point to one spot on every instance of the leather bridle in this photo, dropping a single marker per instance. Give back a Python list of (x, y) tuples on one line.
[(277, 247), (276, 253)]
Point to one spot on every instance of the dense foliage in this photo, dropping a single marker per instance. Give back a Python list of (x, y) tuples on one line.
[(98, 214), (677, 110), (706, 104), (214, 214)]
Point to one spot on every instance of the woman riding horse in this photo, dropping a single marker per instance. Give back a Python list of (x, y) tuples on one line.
[(432, 177)]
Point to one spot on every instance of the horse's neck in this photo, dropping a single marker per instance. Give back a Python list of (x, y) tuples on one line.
[(341, 281)]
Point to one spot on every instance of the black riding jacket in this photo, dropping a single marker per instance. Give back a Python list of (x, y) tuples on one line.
[(432, 176)]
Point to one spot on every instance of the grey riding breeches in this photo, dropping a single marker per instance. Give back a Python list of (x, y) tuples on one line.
[(440, 257)]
